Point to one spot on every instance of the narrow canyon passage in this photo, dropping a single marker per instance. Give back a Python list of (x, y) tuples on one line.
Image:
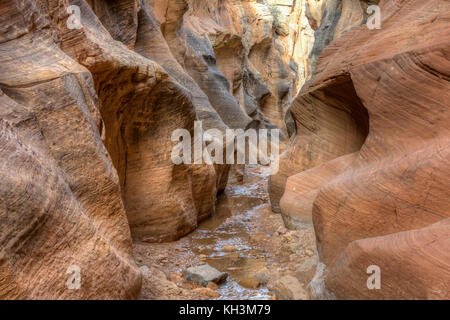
[(120, 121), (244, 238)]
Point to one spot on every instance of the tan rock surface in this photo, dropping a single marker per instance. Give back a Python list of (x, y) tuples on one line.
[(389, 206), (59, 192), (69, 92), (289, 288), (302, 189), (134, 93), (413, 264), (87, 109), (260, 47), (338, 17)]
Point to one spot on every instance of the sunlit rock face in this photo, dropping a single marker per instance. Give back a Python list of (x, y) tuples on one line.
[(338, 17), (372, 128), (249, 57), (322, 22)]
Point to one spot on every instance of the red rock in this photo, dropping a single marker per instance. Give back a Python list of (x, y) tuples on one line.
[(61, 209), (413, 264), (302, 189), (397, 188)]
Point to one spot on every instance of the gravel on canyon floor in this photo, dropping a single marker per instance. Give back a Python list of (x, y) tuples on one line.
[(245, 239)]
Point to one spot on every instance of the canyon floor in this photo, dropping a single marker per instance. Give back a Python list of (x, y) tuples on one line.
[(243, 238)]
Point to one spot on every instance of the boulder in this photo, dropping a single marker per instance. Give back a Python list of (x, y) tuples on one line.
[(205, 274)]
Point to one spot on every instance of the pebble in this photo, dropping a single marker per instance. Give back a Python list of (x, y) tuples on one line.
[(288, 238), (174, 277), (249, 282), (207, 292), (262, 276), (293, 257)]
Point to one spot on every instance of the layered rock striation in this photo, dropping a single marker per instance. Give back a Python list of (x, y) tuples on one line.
[(91, 92), (369, 163)]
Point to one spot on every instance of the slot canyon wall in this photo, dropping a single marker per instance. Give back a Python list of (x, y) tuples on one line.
[(369, 165), (87, 110)]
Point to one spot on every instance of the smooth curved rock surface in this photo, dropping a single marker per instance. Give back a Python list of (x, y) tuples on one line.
[(418, 267), (59, 192), (302, 189), (134, 95), (331, 122), (338, 17), (329, 20), (89, 106), (389, 207), (87, 111)]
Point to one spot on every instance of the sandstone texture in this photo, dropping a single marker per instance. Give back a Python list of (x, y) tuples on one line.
[(90, 93), (289, 288), (330, 19), (303, 188), (60, 204), (260, 47), (92, 90), (369, 162)]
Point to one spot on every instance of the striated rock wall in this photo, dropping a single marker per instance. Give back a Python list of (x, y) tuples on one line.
[(330, 19), (338, 17), (60, 203), (163, 201), (87, 108), (380, 200), (260, 47)]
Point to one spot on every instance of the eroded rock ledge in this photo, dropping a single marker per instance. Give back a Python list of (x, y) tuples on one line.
[(381, 200)]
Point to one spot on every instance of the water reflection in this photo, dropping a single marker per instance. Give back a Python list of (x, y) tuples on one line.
[(229, 227)]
